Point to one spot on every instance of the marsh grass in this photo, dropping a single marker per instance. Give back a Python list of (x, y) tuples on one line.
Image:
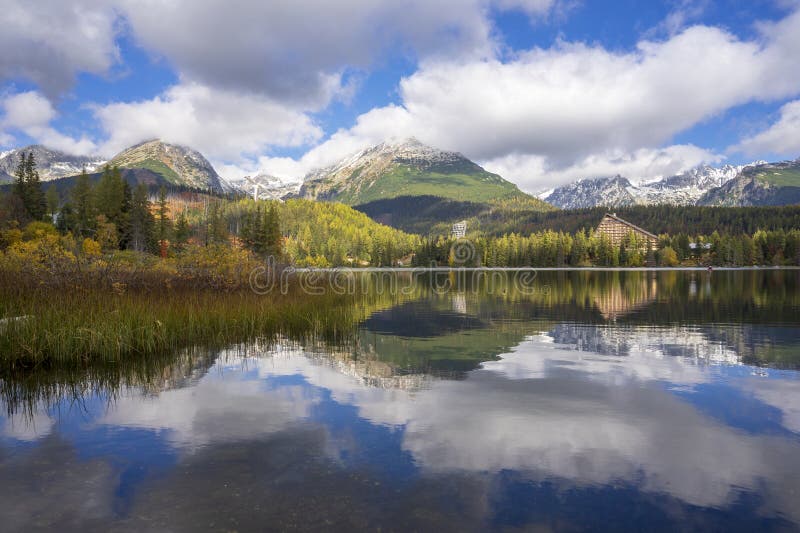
[(83, 324)]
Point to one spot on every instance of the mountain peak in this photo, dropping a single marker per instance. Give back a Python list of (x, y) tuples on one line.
[(405, 167), (177, 164), (51, 163)]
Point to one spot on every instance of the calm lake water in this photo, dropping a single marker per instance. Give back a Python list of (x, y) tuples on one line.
[(584, 401)]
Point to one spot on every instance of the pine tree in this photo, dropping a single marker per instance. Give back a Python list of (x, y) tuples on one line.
[(37, 206), (28, 187), (20, 187), (142, 222), (182, 230), (110, 193), (81, 219), (273, 239), (246, 230), (164, 227)]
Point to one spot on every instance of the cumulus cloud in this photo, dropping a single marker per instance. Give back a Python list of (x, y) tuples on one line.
[(296, 51), (252, 73), (49, 41), (533, 172), (221, 124), (782, 138), (553, 115), (31, 113)]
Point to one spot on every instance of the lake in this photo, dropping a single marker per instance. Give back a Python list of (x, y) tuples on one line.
[(562, 401)]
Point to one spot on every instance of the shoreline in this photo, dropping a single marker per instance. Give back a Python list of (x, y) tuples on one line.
[(535, 269)]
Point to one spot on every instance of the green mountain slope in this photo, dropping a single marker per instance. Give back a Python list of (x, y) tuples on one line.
[(432, 215), (178, 165), (409, 168)]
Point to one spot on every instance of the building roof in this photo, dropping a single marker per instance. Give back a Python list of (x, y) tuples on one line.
[(632, 226)]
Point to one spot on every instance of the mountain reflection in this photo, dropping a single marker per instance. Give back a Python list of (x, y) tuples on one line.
[(457, 410)]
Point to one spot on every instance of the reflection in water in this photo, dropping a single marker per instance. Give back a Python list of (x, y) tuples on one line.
[(615, 401)]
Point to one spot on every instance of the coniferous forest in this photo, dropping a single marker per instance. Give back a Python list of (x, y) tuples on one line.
[(110, 217)]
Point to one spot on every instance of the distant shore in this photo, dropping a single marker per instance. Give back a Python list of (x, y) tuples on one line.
[(530, 269)]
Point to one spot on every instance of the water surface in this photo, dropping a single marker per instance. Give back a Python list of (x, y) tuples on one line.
[(600, 401)]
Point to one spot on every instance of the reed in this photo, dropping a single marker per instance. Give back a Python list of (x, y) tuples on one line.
[(83, 324)]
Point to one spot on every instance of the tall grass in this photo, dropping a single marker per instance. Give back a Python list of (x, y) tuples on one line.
[(92, 322)]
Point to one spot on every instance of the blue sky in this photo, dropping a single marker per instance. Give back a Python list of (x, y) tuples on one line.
[(541, 91)]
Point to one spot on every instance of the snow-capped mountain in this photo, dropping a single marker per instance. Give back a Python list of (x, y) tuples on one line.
[(616, 191), (686, 188), (760, 184), (267, 187), (405, 168), (51, 164)]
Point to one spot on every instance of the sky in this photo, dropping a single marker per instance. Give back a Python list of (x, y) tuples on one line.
[(542, 92)]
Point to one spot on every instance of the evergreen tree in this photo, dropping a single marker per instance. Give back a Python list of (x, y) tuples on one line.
[(142, 222), (28, 187), (182, 230), (273, 240), (19, 180), (82, 218), (216, 227), (110, 194), (164, 226), (37, 207), (124, 222)]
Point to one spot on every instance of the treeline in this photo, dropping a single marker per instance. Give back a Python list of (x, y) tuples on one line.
[(430, 215), (561, 249), (658, 219), (109, 215)]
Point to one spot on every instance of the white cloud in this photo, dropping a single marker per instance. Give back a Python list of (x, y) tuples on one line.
[(49, 41), (252, 72), (532, 172), (782, 138), (32, 114), (222, 124), (554, 115), (296, 51)]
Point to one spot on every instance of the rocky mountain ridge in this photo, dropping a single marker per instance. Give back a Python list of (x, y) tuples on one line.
[(687, 188), (51, 164), (269, 187), (179, 165)]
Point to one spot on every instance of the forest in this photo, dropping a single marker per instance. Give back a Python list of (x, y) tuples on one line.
[(429, 215), (108, 217)]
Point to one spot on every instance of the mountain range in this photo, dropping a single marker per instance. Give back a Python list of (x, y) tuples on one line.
[(757, 183), (151, 161), (387, 177), (52, 164)]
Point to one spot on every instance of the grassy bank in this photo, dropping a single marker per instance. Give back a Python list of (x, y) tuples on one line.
[(61, 308), (93, 324)]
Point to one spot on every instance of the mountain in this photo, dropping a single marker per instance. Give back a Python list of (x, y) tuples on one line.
[(762, 184), (616, 192), (51, 164), (686, 188), (407, 168), (179, 165), (269, 187)]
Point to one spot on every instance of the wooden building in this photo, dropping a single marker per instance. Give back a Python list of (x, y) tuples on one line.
[(617, 229)]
